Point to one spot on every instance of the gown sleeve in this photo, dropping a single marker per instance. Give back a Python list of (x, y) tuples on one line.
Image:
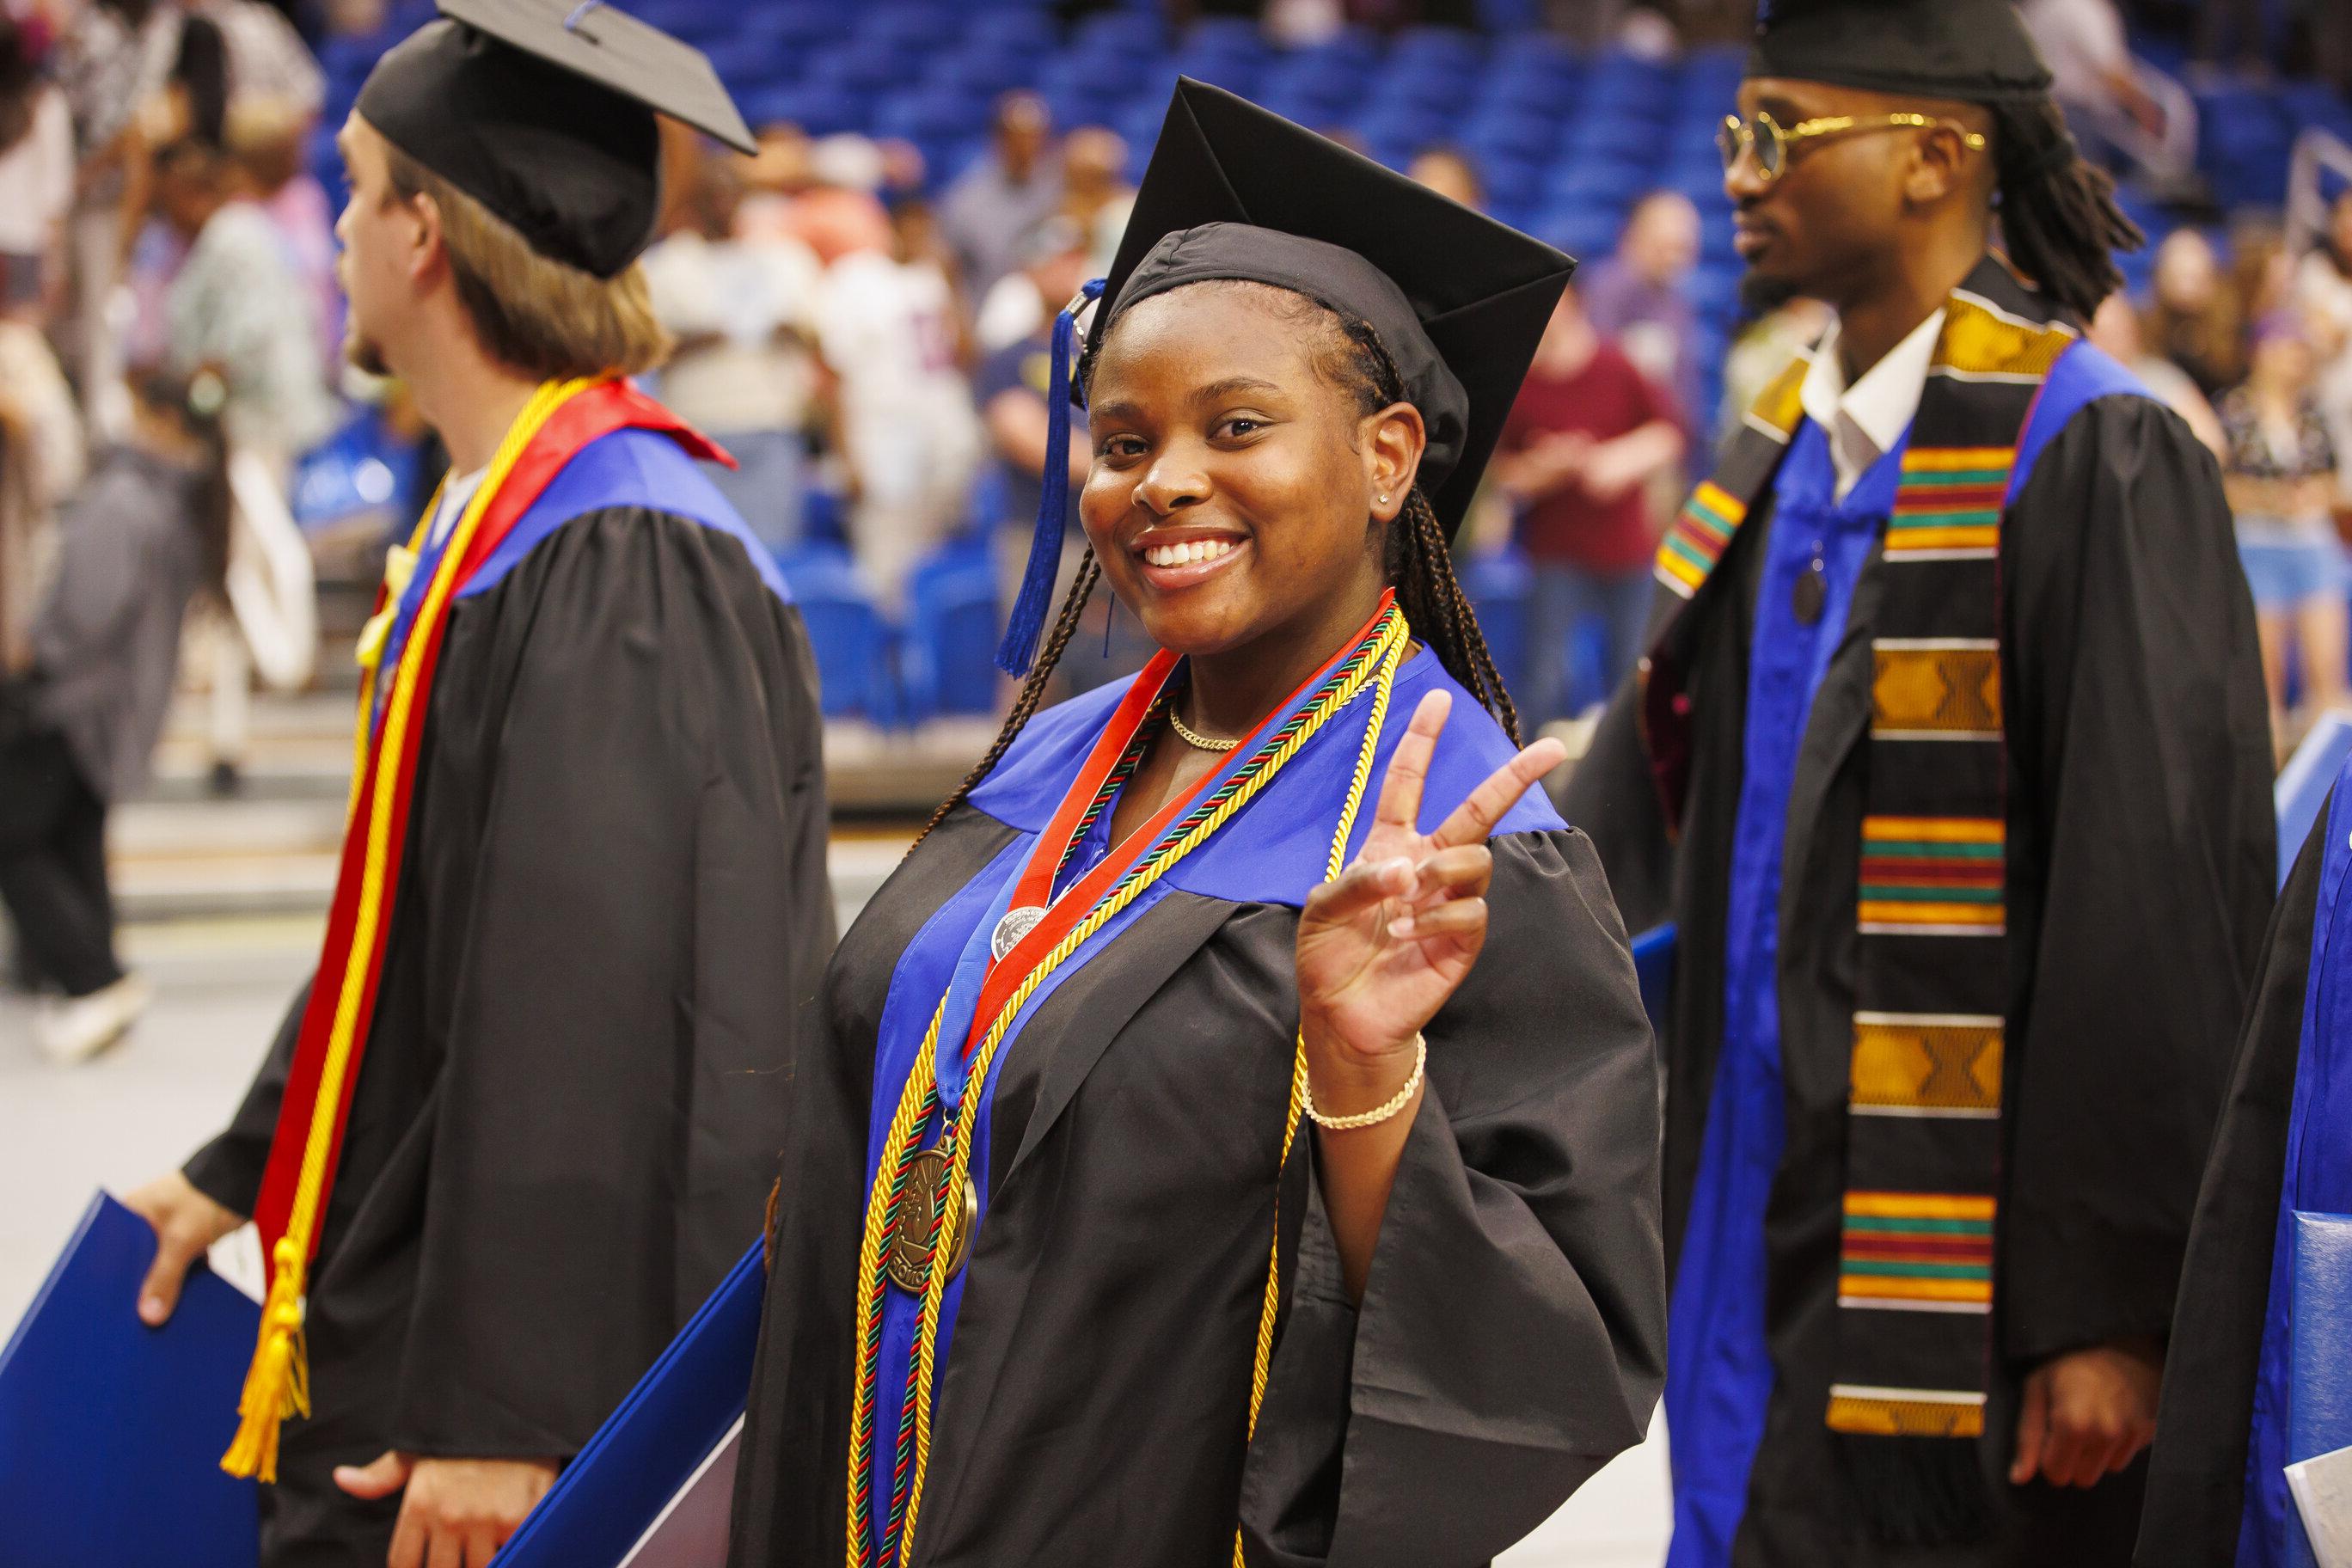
[(1512, 1334), (2141, 734), (1611, 795), (602, 1127), (2196, 1474)]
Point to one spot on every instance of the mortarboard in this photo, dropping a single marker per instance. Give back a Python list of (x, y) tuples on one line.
[(543, 111), (1234, 192), (1972, 51)]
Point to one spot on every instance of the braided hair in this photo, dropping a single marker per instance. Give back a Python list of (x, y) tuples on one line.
[(2058, 213), (1416, 555)]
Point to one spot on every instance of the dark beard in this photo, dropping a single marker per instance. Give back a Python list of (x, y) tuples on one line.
[(363, 355), (1761, 296)]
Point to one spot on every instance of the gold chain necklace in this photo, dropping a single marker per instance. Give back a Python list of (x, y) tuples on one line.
[(1201, 742)]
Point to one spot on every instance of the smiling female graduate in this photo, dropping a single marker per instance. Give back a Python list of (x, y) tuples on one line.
[(1233, 1134)]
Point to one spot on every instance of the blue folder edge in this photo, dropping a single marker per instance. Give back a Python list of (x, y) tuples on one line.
[(651, 1445), (1654, 965), (2301, 793), (2319, 1377), (112, 1432)]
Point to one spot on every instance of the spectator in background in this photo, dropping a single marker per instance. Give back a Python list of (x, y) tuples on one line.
[(236, 307), (1636, 298), (775, 178), (840, 213), (2323, 292), (79, 728), (114, 58), (888, 327), (265, 139), (1023, 304), (40, 461), (2116, 330), (2197, 321), (1587, 434), (1452, 174), (1762, 350), (2097, 82), (745, 369), (993, 204), (1094, 192), (36, 168), (267, 60), (1012, 385), (2281, 475)]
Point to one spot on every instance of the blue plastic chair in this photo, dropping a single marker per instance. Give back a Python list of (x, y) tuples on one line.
[(1500, 588), (846, 633), (1121, 32), (948, 650), (1012, 28)]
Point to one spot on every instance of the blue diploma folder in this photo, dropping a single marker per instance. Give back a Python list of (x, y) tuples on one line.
[(2319, 1373), (679, 1411), (112, 1432)]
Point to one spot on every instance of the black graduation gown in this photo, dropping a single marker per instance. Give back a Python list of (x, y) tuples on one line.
[(613, 904), (2197, 1472), (2140, 864), (1093, 1404)]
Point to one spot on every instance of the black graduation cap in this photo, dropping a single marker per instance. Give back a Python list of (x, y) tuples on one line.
[(543, 111), (1971, 51), (1234, 192)]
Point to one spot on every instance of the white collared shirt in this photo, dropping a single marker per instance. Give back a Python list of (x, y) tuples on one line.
[(1866, 420)]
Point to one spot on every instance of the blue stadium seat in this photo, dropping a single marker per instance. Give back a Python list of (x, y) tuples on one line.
[(1448, 47), (1356, 47), (928, 115), (1121, 32), (1012, 28), (795, 26), (753, 65), (1235, 72), (846, 632), (1584, 230), (1509, 133), (1232, 33), (1499, 586), (947, 659), (821, 108)]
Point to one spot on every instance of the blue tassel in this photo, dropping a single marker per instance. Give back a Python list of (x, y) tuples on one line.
[(1026, 625)]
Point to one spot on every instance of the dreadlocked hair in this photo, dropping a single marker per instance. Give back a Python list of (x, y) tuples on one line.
[(2058, 213), (1417, 559)]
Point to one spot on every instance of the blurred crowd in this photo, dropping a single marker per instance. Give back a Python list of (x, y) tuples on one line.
[(872, 338)]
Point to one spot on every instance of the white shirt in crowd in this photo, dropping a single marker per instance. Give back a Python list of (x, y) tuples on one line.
[(758, 299), (36, 178)]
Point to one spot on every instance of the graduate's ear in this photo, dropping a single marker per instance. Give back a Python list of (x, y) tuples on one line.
[(1941, 163), (429, 251), (1394, 440)]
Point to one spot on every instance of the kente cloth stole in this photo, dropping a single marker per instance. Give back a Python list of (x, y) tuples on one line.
[(411, 614), (1916, 1276)]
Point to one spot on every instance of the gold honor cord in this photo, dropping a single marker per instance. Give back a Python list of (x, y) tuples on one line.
[(1261, 1364), (920, 1093), (276, 1385)]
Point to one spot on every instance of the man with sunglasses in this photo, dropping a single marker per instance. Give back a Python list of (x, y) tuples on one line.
[(1949, 760)]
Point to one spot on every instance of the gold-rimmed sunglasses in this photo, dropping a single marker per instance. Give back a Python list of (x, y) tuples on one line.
[(1769, 141)]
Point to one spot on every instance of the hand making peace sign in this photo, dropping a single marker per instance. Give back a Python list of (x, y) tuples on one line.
[(1382, 948)]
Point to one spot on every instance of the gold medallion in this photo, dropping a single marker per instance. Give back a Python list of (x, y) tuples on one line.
[(909, 1260)]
